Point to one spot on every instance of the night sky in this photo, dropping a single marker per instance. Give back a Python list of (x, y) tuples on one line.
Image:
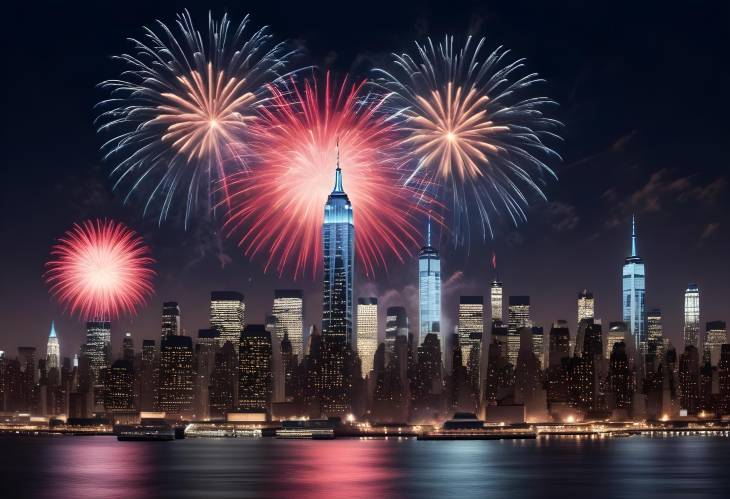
[(642, 90)]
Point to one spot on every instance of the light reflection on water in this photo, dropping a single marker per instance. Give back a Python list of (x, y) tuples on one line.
[(640, 467)]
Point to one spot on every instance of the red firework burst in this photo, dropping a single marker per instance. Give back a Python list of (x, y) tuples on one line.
[(277, 206), (100, 269)]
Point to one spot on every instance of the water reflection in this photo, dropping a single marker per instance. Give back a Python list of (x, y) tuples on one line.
[(339, 468), (95, 467)]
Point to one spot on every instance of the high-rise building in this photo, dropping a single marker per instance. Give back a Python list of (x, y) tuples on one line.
[(288, 310), (255, 369), (98, 348), (538, 344), (689, 379), (616, 333), (149, 373), (119, 386), (228, 315), (338, 234), (692, 315), (559, 348), (367, 331), (176, 375), (518, 316), (471, 325), (170, 319), (586, 308), (495, 298), (429, 290), (715, 337), (53, 350), (128, 347), (396, 324), (634, 291), (654, 331)]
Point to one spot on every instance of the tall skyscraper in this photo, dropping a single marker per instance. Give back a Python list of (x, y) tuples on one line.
[(288, 310), (654, 330), (396, 324), (170, 319), (518, 316), (53, 350), (616, 333), (692, 316), (495, 298), (98, 348), (429, 289), (634, 291), (255, 369), (585, 305), (176, 375), (367, 331), (338, 234), (228, 315), (471, 325)]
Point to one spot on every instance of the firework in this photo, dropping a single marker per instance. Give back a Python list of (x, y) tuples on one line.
[(474, 130), (100, 269), (277, 208), (178, 116)]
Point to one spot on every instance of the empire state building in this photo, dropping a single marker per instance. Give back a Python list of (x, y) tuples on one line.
[(338, 233)]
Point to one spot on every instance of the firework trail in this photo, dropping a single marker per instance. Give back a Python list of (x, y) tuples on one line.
[(277, 206), (100, 269), (179, 114), (476, 133)]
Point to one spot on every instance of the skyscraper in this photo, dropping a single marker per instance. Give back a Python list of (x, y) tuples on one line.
[(338, 234), (429, 290), (715, 337), (98, 348), (654, 330), (585, 305), (255, 369), (495, 298), (288, 310), (396, 324), (692, 316), (367, 331), (128, 347), (176, 375), (518, 316), (616, 333), (53, 350), (634, 291), (228, 315), (471, 325), (170, 319)]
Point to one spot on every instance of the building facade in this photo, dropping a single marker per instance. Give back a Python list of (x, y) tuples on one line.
[(634, 293), (367, 331), (429, 290), (289, 312), (228, 316), (692, 315)]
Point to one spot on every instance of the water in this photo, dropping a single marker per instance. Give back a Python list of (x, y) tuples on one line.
[(635, 467)]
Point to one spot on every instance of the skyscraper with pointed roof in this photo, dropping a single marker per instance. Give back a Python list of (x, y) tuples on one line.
[(53, 349), (338, 234), (634, 291), (429, 289)]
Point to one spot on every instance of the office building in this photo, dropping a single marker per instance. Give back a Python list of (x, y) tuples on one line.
[(715, 337), (98, 348), (170, 319), (429, 290), (176, 375), (289, 312), (228, 316), (634, 292), (518, 316), (495, 299), (692, 315), (255, 369), (586, 305), (338, 235), (53, 350), (396, 324), (367, 331), (471, 326)]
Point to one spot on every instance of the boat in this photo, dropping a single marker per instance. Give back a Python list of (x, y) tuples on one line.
[(155, 430)]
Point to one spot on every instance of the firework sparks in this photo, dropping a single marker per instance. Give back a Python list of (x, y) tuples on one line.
[(179, 115), (472, 129), (277, 206), (100, 269)]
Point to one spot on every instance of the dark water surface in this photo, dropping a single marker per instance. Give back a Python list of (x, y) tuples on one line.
[(636, 467)]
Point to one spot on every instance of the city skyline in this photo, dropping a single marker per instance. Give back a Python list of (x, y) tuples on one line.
[(623, 164)]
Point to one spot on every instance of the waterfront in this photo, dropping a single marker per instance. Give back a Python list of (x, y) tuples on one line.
[(100, 466)]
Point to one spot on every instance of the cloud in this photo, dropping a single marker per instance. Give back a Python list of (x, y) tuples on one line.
[(709, 230), (561, 217)]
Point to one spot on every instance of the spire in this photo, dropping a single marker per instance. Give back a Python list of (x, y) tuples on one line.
[(53, 330), (338, 171), (428, 231), (633, 235)]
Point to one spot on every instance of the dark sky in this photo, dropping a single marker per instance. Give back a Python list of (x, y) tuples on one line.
[(643, 93)]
